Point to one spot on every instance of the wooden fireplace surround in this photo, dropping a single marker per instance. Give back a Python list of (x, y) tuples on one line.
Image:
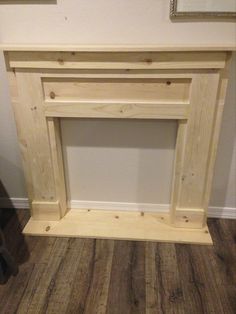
[(188, 85)]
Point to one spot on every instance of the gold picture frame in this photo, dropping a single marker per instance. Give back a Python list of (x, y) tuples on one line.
[(175, 13)]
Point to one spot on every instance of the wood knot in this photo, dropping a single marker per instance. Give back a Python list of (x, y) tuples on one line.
[(60, 61), (148, 60), (52, 95)]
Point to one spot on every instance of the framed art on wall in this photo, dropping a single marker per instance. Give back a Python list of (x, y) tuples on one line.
[(203, 8)]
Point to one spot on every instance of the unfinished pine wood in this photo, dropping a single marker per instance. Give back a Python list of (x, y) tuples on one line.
[(117, 48), (117, 225), (220, 102), (54, 134), (21, 132), (195, 152), (49, 210), (36, 136), (117, 110), (117, 98), (116, 60), (37, 152), (117, 90), (188, 86)]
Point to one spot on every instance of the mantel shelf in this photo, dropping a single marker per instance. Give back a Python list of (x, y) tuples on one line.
[(117, 48)]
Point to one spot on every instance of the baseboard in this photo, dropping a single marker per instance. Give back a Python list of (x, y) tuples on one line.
[(14, 202), (222, 212), (120, 206), (213, 212)]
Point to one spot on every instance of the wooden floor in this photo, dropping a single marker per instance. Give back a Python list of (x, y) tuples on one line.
[(67, 275)]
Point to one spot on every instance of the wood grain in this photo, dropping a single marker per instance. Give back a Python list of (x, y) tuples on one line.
[(163, 289), (127, 273), (117, 60), (109, 224), (61, 275), (190, 87)]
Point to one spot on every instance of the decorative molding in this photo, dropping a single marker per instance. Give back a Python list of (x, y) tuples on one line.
[(213, 212)]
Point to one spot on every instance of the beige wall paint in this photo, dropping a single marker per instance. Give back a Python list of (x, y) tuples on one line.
[(128, 161)]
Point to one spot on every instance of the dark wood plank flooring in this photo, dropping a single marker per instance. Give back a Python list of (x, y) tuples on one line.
[(67, 275)]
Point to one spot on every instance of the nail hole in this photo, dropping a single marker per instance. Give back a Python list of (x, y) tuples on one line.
[(142, 213), (117, 217), (206, 231), (186, 220), (47, 228), (168, 83)]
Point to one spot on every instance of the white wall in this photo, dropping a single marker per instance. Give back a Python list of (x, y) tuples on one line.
[(126, 161)]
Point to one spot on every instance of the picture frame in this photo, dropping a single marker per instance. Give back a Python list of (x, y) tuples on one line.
[(203, 9)]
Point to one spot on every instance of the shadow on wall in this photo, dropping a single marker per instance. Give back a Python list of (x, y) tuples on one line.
[(11, 229), (12, 175)]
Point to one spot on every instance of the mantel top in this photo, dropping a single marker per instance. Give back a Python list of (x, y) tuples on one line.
[(115, 48)]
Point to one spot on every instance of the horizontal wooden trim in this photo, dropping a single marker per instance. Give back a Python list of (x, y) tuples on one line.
[(117, 60), (117, 225), (49, 47), (118, 74), (116, 89), (148, 110)]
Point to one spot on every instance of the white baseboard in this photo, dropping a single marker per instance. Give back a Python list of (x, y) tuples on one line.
[(213, 212), (222, 212), (75, 204), (14, 202)]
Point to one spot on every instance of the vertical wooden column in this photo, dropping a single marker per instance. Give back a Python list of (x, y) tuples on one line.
[(193, 153), (47, 200)]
